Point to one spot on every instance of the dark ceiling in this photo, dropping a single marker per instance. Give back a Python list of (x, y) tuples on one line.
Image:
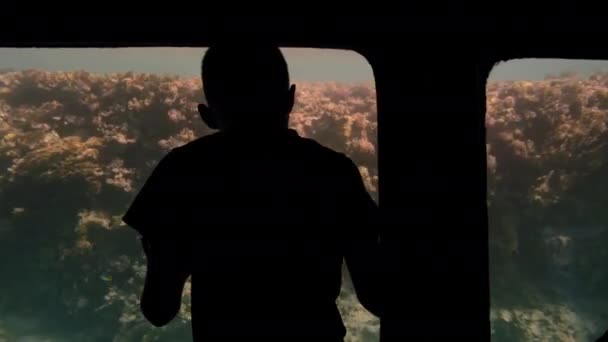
[(513, 28)]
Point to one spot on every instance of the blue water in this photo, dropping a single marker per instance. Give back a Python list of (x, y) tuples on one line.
[(51, 236), (538, 69), (323, 65)]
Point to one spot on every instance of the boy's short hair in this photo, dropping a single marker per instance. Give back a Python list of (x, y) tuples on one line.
[(237, 72)]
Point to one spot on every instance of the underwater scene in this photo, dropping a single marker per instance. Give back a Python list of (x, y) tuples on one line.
[(76, 147), (77, 142), (547, 163)]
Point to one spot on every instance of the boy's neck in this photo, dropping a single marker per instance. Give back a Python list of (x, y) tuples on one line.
[(258, 134)]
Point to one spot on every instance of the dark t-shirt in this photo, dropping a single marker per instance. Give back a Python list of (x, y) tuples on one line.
[(264, 224)]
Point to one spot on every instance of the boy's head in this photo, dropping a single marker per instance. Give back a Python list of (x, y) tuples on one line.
[(247, 87)]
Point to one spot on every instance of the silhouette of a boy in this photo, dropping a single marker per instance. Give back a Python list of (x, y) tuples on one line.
[(260, 217)]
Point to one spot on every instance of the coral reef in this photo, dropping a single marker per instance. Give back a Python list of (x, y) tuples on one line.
[(546, 150), (74, 149)]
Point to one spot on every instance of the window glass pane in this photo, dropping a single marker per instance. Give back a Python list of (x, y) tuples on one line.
[(81, 130), (547, 148)]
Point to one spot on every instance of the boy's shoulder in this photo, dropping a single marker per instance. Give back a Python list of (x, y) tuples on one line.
[(301, 147), (318, 150), (198, 145)]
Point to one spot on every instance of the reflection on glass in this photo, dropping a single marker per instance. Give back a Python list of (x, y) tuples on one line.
[(547, 149), (75, 146)]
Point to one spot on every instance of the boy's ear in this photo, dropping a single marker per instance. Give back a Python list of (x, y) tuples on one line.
[(207, 116), (291, 95)]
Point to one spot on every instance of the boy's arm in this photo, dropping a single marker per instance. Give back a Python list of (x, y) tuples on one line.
[(362, 249), (154, 214), (166, 276)]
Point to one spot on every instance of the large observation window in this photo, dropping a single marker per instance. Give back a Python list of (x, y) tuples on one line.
[(81, 130), (547, 149)]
